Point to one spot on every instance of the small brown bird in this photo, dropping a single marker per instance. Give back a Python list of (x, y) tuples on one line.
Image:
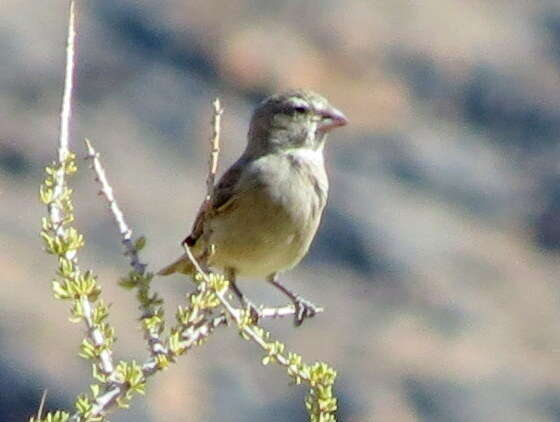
[(266, 208)]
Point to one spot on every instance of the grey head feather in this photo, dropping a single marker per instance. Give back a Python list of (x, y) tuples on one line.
[(294, 119)]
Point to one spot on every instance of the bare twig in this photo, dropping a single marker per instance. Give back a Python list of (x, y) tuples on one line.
[(154, 341), (280, 312), (213, 157), (107, 191), (55, 211), (214, 149), (66, 108), (42, 405)]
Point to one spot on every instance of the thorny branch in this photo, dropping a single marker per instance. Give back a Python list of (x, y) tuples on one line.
[(107, 191), (214, 149), (158, 349), (54, 208), (131, 248)]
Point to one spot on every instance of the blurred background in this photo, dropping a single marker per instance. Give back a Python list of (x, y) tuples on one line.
[(437, 260)]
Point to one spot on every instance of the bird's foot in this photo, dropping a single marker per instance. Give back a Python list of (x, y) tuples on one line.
[(304, 309)]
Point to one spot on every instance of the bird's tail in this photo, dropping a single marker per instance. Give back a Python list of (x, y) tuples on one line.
[(181, 265)]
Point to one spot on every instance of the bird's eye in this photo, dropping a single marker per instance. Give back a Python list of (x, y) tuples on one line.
[(293, 110)]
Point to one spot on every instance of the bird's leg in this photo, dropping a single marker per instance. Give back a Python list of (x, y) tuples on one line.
[(304, 308), (246, 303)]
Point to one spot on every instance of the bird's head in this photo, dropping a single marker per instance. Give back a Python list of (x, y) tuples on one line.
[(294, 119)]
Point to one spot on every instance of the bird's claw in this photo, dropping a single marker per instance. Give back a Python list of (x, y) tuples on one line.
[(304, 309)]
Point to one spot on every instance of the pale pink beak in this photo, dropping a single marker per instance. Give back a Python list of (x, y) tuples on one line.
[(331, 118)]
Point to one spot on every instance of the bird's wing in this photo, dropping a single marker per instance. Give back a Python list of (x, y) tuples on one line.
[(223, 198), (225, 190)]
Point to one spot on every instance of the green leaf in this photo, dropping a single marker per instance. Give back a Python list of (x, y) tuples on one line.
[(140, 243), (95, 389), (83, 404)]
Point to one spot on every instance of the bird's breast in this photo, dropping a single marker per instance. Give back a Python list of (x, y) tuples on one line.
[(273, 221)]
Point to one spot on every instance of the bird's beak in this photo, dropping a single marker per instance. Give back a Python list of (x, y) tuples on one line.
[(331, 118)]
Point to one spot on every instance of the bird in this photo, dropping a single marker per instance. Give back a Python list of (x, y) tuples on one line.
[(266, 208)]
